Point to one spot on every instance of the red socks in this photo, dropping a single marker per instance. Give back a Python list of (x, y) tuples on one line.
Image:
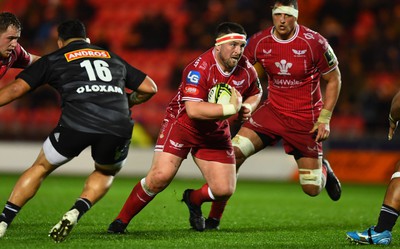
[(217, 209), (136, 201), (198, 196)]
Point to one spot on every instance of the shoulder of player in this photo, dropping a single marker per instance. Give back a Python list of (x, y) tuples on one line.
[(19, 51), (309, 34), (245, 63), (202, 63), (259, 37), (245, 68), (261, 34)]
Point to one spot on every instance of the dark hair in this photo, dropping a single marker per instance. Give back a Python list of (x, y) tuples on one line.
[(287, 3), (71, 29), (8, 19), (229, 27)]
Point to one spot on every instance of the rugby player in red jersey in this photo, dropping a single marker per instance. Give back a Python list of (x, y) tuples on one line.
[(12, 54), (295, 59), (194, 125)]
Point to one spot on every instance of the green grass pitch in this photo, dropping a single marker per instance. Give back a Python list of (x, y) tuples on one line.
[(259, 215)]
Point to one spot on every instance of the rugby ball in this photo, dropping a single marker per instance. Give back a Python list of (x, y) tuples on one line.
[(220, 94)]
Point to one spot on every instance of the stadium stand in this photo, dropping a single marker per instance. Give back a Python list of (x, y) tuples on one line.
[(355, 29)]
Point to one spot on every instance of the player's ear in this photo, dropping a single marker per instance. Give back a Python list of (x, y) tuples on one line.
[(60, 43)]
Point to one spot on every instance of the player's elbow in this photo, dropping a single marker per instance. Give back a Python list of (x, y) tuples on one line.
[(149, 86), (153, 90), (13, 91), (192, 110), (191, 113), (18, 88)]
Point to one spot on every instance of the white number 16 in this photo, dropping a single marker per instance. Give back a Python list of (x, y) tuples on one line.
[(100, 69)]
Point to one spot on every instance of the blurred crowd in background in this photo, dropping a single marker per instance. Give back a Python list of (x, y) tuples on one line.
[(161, 36)]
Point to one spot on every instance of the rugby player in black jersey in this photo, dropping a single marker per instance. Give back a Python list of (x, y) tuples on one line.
[(95, 112)]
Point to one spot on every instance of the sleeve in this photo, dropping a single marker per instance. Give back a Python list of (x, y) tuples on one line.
[(23, 58), (326, 59), (36, 74), (250, 50), (134, 76), (254, 89), (254, 83), (194, 84)]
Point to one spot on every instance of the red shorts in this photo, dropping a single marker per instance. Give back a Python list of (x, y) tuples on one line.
[(295, 133), (179, 141)]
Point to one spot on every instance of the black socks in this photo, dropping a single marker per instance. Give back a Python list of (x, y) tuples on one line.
[(82, 205), (9, 212), (387, 219)]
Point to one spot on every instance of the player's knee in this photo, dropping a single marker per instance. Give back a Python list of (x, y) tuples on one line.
[(221, 192), (157, 181), (243, 147), (397, 167), (311, 190), (396, 174), (146, 188), (239, 157), (110, 169), (156, 185), (311, 181)]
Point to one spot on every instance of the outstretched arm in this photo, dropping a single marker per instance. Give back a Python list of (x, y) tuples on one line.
[(13, 91)]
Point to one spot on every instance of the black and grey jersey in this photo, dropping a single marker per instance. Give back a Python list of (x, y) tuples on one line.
[(91, 82)]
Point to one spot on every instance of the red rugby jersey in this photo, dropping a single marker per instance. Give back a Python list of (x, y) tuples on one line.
[(19, 58), (294, 68), (199, 77)]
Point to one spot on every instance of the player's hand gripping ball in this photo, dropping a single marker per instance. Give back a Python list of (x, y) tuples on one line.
[(220, 94)]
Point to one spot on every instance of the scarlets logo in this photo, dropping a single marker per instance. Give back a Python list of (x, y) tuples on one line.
[(176, 145), (86, 53)]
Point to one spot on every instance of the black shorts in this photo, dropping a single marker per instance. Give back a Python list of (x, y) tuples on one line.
[(106, 149)]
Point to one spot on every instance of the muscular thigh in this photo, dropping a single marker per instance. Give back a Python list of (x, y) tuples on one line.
[(264, 128), (173, 139), (298, 140), (69, 143), (220, 151), (110, 149), (218, 175), (163, 169), (272, 126), (179, 141)]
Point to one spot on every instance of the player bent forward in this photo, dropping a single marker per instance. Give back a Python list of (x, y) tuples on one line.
[(99, 119), (192, 124)]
